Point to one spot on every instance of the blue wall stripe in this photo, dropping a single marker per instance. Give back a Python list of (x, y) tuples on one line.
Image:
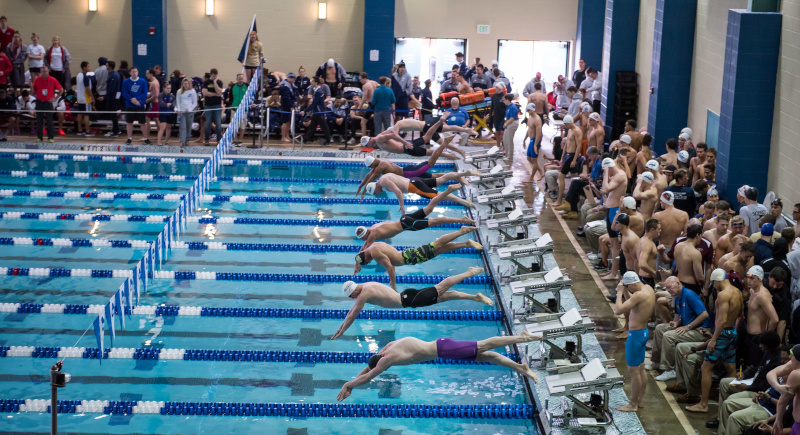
[(591, 16), (619, 50), (379, 35), (144, 15)]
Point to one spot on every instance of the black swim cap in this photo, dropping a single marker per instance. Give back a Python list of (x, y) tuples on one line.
[(361, 258), (373, 361), (623, 219)]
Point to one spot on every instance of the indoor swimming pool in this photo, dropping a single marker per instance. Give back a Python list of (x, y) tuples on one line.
[(233, 333)]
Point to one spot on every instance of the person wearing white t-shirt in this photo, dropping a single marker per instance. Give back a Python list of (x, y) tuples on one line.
[(84, 98), (58, 58), (752, 211), (35, 54), (26, 104)]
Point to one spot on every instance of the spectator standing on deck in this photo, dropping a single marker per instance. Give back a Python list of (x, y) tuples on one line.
[(58, 59), (35, 53), (134, 91), (46, 90)]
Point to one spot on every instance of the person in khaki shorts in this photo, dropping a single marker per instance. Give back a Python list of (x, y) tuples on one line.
[(687, 371), (690, 324)]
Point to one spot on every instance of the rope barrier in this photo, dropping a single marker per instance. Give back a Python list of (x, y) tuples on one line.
[(304, 410), (88, 175), (271, 313)]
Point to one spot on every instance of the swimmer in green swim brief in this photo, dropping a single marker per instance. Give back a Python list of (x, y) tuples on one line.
[(389, 257)]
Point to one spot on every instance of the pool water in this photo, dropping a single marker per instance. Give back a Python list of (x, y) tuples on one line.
[(228, 381)]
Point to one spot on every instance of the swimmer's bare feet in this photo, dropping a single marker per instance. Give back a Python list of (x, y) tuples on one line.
[(463, 181), (453, 187), (529, 337), (623, 334), (468, 229), (697, 408), (475, 270), (526, 370), (467, 220), (481, 298), (628, 408), (474, 244), (473, 172), (469, 204), (609, 276)]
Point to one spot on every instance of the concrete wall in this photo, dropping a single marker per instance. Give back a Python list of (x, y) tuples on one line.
[(709, 59), (530, 20), (290, 32), (87, 35), (644, 57), (784, 162)]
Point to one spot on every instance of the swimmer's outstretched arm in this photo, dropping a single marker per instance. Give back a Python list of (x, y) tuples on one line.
[(351, 317), (384, 261), (362, 379), (391, 187), (370, 176)]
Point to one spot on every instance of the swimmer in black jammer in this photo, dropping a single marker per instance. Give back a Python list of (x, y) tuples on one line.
[(410, 350), (389, 257), (415, 221), (383, 296)]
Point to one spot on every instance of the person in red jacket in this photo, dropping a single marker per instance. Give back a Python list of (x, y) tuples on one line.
[(6, 33), (5, 69)]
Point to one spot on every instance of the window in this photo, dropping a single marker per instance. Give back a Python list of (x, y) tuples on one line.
[(428, 58), (521, 60)]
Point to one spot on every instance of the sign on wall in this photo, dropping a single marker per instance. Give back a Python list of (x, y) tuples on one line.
[(483, 29)]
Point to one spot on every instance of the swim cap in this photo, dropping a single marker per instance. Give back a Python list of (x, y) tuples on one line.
[(608, 162), (647, 177), (371, 188), (595, 116), (756, 271), (718, 275), (530, 106), (586, 107), (742, 190), (683, 156), (652, 165), (767, 229), (361, 232), (668, 198), (368, 160), (684, 136), (630, 277), (712, 192), (623, 219), (687, 130), (348, 288), (364, 140), (331, 62), (625, 138), (568, 119), (361, 258), (629, 202), (500, 86)]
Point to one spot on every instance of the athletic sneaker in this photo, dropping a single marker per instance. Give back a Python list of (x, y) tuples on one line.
[(352, 141), (89, 134), (666, 376), (61, 132), (51, 140), (129, 141), (147, 142), (600, 266), (80, 133), (653, 366), (109, 134), (593, 256)]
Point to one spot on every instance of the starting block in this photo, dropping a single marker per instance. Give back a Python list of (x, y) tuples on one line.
[(491, 177), (531, 284), (516, 249), (551, 326), (476, 158), (507, 223), (592, 377), (499, 199)]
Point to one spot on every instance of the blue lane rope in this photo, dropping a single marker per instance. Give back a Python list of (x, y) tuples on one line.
[(320, 200), (201, 220), (199, 160), (299, 410), (277, 313), (89, 175)]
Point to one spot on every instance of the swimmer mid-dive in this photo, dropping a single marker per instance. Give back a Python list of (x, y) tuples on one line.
[(391, 141), (389, 257), (380, 167), (415, 221), (382, 295), (425, 187), (410, 350)]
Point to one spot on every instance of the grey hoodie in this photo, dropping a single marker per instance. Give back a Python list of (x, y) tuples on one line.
[(575, 106)]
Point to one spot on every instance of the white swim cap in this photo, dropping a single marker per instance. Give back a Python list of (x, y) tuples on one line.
[(630, 277), (500, 86), (652, 165), (687, 130), (629, 202), (364, 140), (368, 161), (683, 156), (361, 232), (331, 62), (647, 177), (595, 116), (684, 136), (371, 188), (530, 107), (348, 288), (712, 192), (756, 271), (625, 138), (668, 197), (718, 275), (586, 107), (568, 119), (608, 162)]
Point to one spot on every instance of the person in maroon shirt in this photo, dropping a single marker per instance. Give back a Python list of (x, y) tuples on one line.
[(46, 89), (6, 67), (6, 34)]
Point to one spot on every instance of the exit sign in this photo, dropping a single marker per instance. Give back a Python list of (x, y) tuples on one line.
[(483, 29)]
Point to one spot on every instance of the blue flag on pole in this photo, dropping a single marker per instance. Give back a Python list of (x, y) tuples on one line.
[(99, 330), (243, 51), (121, 298), (110, 310)]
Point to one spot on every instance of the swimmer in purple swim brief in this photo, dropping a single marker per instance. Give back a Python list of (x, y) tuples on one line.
[(410, 350)]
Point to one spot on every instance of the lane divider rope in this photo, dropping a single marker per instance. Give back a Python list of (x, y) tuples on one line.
[(200, 219), (235, 276), (122, 407), (272, 313), (198, 246)]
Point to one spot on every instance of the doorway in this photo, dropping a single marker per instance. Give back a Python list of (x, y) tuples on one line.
[(428, 58), (521, 60)]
